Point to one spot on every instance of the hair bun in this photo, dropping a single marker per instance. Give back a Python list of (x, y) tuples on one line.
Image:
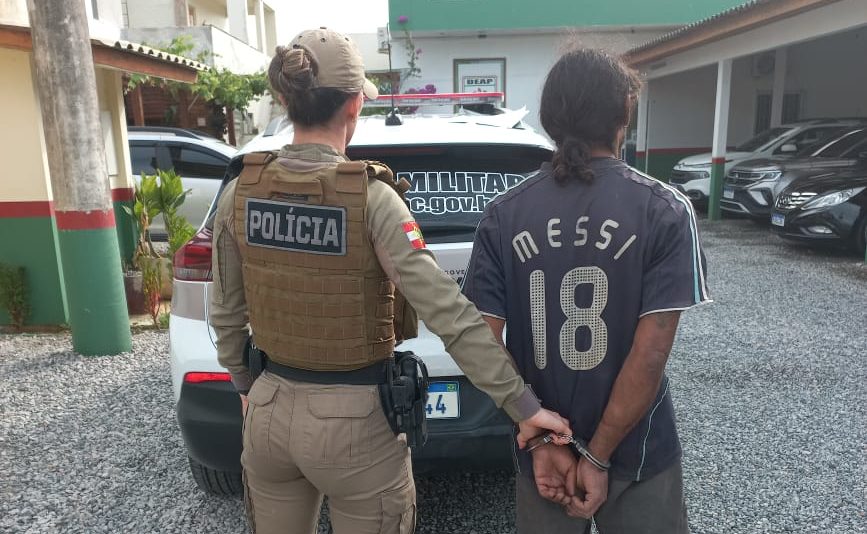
[(295, 61)]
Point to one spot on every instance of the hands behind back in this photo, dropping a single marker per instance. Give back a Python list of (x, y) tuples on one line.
[(555, 471), (592, 490)]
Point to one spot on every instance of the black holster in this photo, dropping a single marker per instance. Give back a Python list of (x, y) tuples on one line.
[(254, 359), (404, 397)]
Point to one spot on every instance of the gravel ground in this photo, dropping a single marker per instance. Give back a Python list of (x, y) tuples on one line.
[(770, 384)]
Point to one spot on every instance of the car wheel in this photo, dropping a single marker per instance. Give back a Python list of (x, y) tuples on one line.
[(216, 482)]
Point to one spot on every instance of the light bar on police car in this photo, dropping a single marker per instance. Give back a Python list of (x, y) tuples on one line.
[(442, 99)]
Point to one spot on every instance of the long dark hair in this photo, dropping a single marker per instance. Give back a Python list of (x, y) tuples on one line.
[(587, 98), (292, 74)]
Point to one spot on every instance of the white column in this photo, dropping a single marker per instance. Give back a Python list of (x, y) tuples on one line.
[(780, 61), (720, 135), (641, 141), (721, 109), (237, 10), (260, 26)]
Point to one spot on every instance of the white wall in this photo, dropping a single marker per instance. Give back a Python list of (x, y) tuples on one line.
[(680, 109), (831, 74), (368, 45), (14, 12), (528, 58), (209, 12), (151, 13), (235, 55)]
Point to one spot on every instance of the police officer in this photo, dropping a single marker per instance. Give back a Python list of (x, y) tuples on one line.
[(311, 249)]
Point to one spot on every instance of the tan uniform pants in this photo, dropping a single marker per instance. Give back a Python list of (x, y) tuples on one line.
[(304, 440)]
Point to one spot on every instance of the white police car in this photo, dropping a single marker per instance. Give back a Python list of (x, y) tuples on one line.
[(456, 163)]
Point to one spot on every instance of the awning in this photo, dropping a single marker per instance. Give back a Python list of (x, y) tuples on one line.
[(119, 55), (728, 23)]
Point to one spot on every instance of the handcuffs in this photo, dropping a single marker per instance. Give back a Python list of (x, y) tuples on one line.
[(580, 446)]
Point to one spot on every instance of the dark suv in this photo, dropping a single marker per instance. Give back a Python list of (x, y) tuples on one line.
[(828, 208), (752, 187)]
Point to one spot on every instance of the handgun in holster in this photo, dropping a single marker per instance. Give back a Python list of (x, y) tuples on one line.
[(404, 397)]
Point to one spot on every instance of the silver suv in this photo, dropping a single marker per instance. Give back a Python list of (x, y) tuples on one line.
[(199, 160), (692, 174)]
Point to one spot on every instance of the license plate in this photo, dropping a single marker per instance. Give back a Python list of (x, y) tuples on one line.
[(778, 219), (443, 401), (728, 193)]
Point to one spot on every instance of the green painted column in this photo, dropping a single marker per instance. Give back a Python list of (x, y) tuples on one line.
[(91, 266), (717, 175), (720, 135)]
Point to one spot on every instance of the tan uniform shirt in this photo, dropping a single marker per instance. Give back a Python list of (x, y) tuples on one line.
[(435, 296)]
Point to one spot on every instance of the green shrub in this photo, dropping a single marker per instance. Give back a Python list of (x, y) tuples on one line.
[(13, 294)]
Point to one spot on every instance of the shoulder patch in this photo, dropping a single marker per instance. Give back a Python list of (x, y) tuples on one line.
[(295, 227), (413, 233)]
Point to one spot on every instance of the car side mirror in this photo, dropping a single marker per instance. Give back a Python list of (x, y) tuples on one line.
[(788, 148)]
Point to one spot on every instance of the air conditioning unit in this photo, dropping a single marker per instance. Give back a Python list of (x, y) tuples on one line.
[(763, 64)]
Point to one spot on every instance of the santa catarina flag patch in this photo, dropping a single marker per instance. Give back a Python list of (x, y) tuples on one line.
[(413, 233)]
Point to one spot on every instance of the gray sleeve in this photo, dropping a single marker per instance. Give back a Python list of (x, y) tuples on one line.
[(227, 307)]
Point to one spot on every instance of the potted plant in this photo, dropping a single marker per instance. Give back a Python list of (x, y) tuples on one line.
[(170, 198), (143, 211), (149, 277)]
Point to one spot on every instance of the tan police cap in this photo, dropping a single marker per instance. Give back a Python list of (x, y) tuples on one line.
[(339, 62)]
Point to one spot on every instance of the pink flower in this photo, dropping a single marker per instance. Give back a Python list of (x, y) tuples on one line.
[(403, 19), (418, 51)]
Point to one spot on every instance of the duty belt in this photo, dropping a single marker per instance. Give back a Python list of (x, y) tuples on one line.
[(371, 375)]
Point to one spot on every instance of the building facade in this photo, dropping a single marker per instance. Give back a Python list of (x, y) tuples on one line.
[(509, 45), (237, 35)]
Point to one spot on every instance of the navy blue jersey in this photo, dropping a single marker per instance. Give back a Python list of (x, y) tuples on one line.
[(571, 268)]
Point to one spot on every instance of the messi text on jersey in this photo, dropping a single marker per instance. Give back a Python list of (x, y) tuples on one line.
[(526, 246)]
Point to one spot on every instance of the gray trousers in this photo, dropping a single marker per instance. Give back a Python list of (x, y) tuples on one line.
[(652, 506)]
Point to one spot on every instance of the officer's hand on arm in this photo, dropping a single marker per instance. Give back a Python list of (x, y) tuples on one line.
[(543, 421), (244, 405)]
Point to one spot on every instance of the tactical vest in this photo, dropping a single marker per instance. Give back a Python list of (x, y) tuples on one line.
[(316, 294)]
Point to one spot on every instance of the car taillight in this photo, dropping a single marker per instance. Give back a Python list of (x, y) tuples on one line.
[(198, 378), (192, 261)]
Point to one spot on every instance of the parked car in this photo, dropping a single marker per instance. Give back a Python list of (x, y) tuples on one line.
[(456, 164), (200, 161), (692, 174), (828, 208), (752, 187)]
